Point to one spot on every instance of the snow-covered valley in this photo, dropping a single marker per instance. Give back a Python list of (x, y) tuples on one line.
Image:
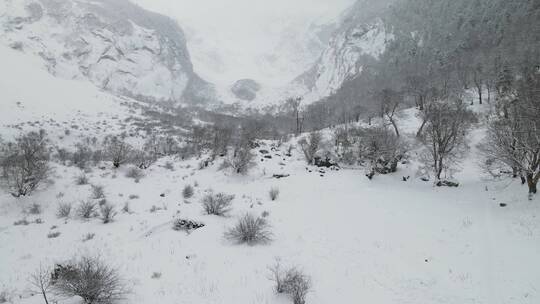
[(136, 150)]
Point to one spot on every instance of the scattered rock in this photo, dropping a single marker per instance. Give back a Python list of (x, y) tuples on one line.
[(447, 184), (186, 225), (278, 176)]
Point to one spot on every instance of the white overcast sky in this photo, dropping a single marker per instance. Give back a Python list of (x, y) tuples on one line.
[(226, 37)]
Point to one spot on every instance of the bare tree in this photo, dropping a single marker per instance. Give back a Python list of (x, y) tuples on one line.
[(118, 150), (25, 163), (513, 138), (293, 105), (390, 103), (445, 135), (40, 282), (381, 149)]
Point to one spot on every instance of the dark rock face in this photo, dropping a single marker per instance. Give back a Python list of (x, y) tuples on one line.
[(246, 89)]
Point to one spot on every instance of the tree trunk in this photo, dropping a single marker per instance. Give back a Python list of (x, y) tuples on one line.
[(532, 182), (44, 296), (421, 129), (489, 93)]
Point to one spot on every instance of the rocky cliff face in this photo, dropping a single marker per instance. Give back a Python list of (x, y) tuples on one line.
[(361, 36), (118, 46)]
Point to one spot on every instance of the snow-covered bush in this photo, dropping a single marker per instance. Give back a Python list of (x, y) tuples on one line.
[(251, 230), (64, 210), (188, 192), (86, 209), (89, 278), (107, 213), (217, 204), (381, 149), (240, 159), (273, 193), (310, 146), (25, 163)]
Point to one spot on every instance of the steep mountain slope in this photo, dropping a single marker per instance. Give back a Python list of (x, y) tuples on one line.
[(361, 36), (32, 98), (116, 45)]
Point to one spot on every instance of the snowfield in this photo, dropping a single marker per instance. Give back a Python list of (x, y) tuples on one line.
[(380, 241)]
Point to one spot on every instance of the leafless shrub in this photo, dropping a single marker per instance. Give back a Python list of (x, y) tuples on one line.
[(82, 155), (25, 163), (64, 210), (87, 209), (40, 282), (251, 230), (156, 275), (89, 278), (291, 281), (310, 146), (81, 180), (240, 159), (117, 150), (297, 285), (169, 165), (188, 192), (143, 159), (273, 193), (107, 213), (217, 204), (89, 236), (98, 192)]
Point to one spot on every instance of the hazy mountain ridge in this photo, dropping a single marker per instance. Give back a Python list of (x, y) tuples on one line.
[(118, 46)]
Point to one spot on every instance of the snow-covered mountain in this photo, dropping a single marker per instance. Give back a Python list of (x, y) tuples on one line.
[(362, 35), (268, 42), (118, 46)]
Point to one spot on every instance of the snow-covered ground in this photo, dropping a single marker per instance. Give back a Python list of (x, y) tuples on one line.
[(380, 241)]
